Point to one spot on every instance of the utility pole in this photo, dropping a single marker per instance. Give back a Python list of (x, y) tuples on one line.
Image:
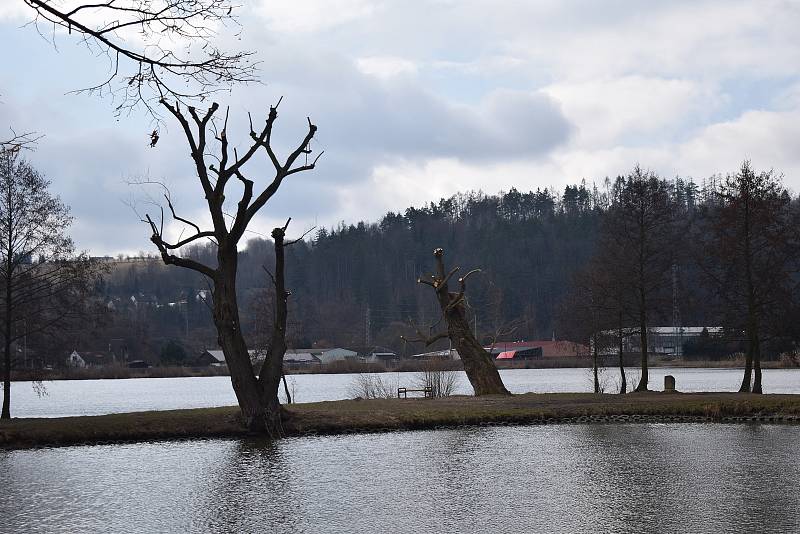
[(367, 328)]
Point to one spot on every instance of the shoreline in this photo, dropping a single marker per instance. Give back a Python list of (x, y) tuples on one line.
[(382, 415), (123, 373)]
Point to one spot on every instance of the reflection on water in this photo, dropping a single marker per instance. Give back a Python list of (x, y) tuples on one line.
[(95, 397), (561, 478)]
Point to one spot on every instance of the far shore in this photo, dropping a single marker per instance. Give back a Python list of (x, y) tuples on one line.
[(345, 367), (379, 415)]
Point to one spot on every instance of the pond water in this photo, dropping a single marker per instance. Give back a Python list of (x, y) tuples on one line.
[(96, 397), (700, 478)]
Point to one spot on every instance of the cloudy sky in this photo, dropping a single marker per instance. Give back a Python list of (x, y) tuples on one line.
[(419, 100)]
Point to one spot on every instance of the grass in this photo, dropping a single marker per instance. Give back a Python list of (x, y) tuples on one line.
[(349, 416)]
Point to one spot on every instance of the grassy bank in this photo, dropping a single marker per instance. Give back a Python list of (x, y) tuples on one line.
[(349, 416)]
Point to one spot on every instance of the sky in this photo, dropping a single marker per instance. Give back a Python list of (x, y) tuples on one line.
[(419, 100)]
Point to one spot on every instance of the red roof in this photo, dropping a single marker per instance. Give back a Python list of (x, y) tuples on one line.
[(507, 355), (550, 349)]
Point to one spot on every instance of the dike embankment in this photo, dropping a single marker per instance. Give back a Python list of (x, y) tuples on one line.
[(382, 415)]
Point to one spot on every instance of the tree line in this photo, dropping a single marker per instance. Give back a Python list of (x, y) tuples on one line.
[(544, 258)]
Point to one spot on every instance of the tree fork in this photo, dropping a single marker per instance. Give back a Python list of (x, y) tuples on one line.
[(478, 364), (257, 395)]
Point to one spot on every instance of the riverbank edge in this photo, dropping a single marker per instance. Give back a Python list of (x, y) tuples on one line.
[(383, 415), (345, 367)]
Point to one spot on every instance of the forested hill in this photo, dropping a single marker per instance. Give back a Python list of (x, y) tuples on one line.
[(356, 285), (526, 245)]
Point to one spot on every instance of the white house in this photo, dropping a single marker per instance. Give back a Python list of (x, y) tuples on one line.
[(300, 357), (337, 354), (448, 354), (75, 360), (666, 340)]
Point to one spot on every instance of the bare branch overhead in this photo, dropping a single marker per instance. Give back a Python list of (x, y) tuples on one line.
[(155, 48)]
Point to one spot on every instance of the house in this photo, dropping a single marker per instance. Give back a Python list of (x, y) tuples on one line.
[(75, 360), (534, 353), (449, 354), (664, 340), (84, 359), (301, 357), (548, 348), (216, 358), (210, 358), (337, 354), (383, 357)]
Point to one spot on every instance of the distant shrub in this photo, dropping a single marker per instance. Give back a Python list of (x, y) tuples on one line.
[(371, 386)]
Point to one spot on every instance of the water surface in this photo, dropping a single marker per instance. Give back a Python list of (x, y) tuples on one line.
[(613, 478)]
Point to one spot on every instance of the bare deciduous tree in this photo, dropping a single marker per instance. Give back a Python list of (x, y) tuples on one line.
[(750, 253), (257, 394), (478, 365), (44, 282), (155, 48), (638, 238)]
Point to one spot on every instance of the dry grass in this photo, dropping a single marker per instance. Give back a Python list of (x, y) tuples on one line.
[(339, 417)]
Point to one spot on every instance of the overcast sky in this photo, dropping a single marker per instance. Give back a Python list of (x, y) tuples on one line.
[(419, 100)]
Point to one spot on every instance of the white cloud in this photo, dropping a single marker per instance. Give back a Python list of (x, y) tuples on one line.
[(608, 110), (386, 67), (420, 100), (308, 16)]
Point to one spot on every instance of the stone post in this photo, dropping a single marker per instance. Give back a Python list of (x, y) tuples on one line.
[(669, 384)]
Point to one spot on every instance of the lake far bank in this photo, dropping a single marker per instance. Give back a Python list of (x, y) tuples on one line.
[(378, 415), (347, 367)]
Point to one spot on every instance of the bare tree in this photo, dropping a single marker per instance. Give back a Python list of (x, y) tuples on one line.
[(638, 238), (43, 281), (750, 253), (599, 304), (478, 364), (257, 394), (272, 368), (155, 48), (583, 316)]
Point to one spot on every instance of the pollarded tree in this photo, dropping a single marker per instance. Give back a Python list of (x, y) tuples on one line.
[(478, 364), (257, 394), (43, 283), (750, 253)]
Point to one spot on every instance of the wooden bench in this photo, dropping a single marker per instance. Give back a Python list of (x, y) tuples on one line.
[(403, 392)]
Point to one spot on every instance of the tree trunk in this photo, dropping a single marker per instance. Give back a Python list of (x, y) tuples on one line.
[(643, 381), (6, 414), (226, 318), (286, 389), (7, 377), (747, 379), (478, 364), (757, 366), (594, 367), (272, 368), (623, 385)]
